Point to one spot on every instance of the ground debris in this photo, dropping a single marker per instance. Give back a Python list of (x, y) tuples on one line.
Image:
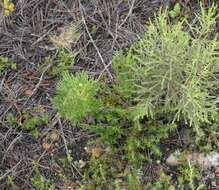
[(204, 160)]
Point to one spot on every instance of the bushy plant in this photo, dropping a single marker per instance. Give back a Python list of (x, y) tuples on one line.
[(102, 172), (169, 75), (190, 174), (30, 123), (123, 84), (163, 182), (146, 139), (75, 97), (172, 70), (134, 179), (11, 184), (41, 183)]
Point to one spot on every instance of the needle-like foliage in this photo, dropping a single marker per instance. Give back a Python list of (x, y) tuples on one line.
[(169, 75), (172, 69), (75, 96)]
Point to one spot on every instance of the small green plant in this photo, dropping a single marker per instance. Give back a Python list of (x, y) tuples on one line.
[(101, 173), (11, 119), (163, 182), (75, 97), (188, 174), (123, 84), (108, 134), (134, 179), (65, 62), (11, 184), (146, 139), (209, 141), (40, 182), (176, 11), (5, 63), (29, 123)]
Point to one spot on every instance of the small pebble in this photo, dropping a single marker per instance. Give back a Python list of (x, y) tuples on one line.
[(82, 163), (213, 184), (75, 162), (217, 170)]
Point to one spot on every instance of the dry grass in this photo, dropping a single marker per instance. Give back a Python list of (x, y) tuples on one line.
[(69, 35)]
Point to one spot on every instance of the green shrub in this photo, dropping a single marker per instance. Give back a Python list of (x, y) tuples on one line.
[(101, 173), (163, 182), (169, 75), (41, 183), (75, 97), (31, 123), (11, 184), (190, 174), (122, 67), (173, 71), (145, 140)]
